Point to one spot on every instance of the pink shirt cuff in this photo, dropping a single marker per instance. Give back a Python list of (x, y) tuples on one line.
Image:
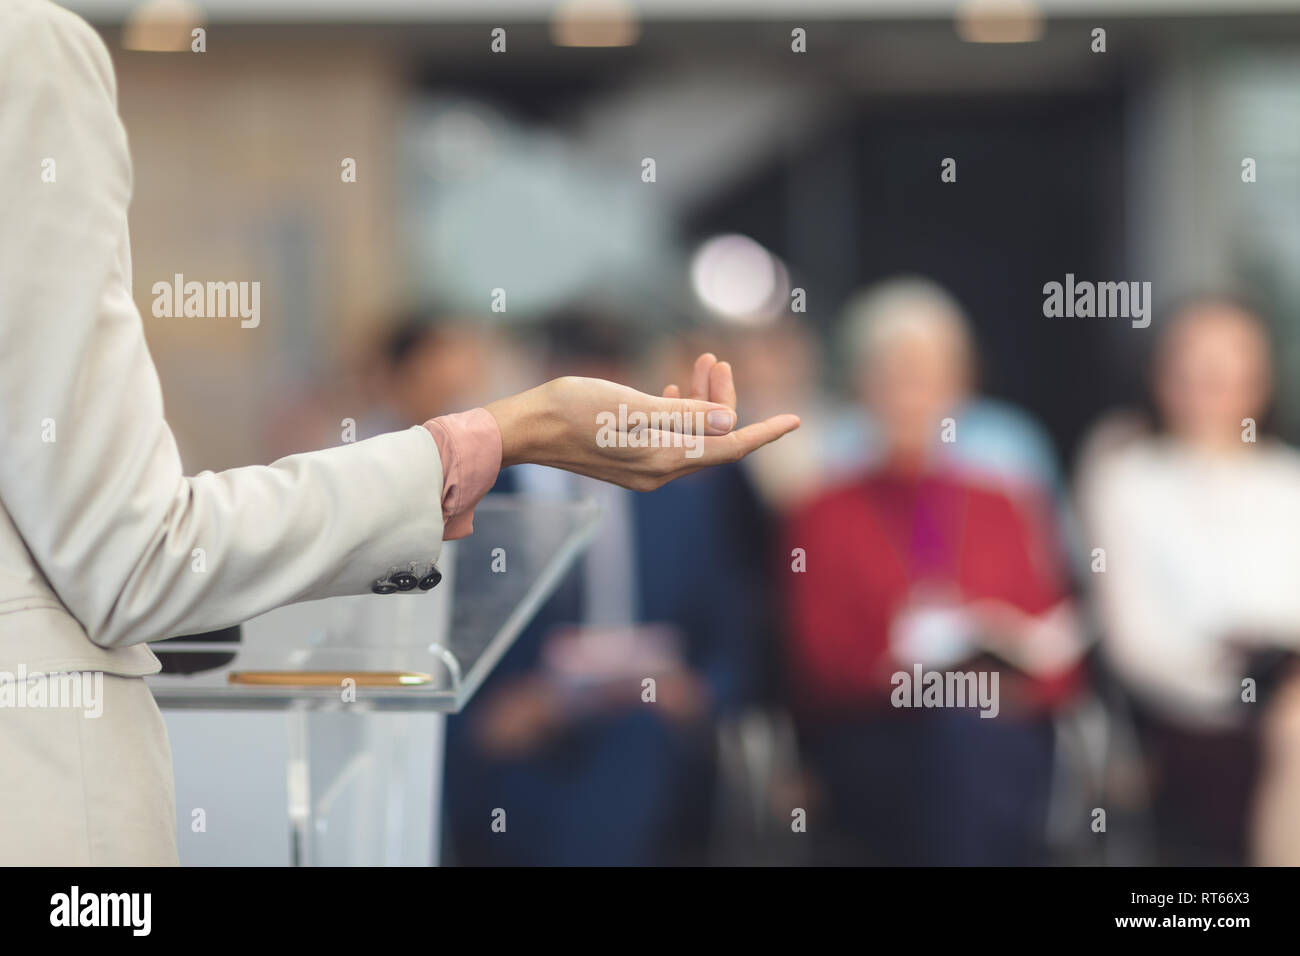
[(469, 444)]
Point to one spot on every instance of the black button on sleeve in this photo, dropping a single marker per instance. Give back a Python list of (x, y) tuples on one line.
[(404, 580), (383, 587), (430, 580)]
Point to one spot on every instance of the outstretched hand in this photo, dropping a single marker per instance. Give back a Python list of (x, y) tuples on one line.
[(617, 434)]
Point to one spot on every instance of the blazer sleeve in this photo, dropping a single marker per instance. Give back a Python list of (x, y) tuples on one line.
[(89, 469)]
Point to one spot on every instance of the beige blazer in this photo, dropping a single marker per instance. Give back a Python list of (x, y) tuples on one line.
[(99, 526)]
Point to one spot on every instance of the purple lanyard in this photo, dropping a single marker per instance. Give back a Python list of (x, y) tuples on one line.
[(932, 552)]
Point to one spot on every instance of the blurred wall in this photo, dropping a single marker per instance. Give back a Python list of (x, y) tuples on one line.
[(238, 158)]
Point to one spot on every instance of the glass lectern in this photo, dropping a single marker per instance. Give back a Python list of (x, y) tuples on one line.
[(318, 741)]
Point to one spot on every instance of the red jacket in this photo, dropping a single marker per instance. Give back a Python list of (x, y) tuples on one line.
[(869, 542)]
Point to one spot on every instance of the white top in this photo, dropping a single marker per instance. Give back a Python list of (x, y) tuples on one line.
[(1199, 549)]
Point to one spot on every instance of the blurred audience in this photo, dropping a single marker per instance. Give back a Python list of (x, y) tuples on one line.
[(1198, 524), (427, 366), (925, 560), (560, 733), (924, 527)]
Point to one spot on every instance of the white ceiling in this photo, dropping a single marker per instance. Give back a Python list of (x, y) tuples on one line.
[(538, 10)]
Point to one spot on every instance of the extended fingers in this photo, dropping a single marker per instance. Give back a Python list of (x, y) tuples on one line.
[(712, 381), (667, 454), (738, 444), (692, 416), (660, 456), (722, 385), (700, 376)]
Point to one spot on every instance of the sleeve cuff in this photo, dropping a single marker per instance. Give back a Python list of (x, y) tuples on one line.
[(469, 444)]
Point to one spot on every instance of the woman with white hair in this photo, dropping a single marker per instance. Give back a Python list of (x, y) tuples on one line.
[(999, 441), (920, 566)]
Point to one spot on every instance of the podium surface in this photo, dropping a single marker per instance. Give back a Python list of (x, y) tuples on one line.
[(445, 641), (344, 773)]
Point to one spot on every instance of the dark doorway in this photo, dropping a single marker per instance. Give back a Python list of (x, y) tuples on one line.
[(1039, 192)]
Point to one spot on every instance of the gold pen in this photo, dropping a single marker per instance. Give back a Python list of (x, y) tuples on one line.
[(329, 678)]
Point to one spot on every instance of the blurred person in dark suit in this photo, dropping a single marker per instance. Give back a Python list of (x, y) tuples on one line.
[(1199, 522), (921, 566), (560, 734), (426, 360)]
